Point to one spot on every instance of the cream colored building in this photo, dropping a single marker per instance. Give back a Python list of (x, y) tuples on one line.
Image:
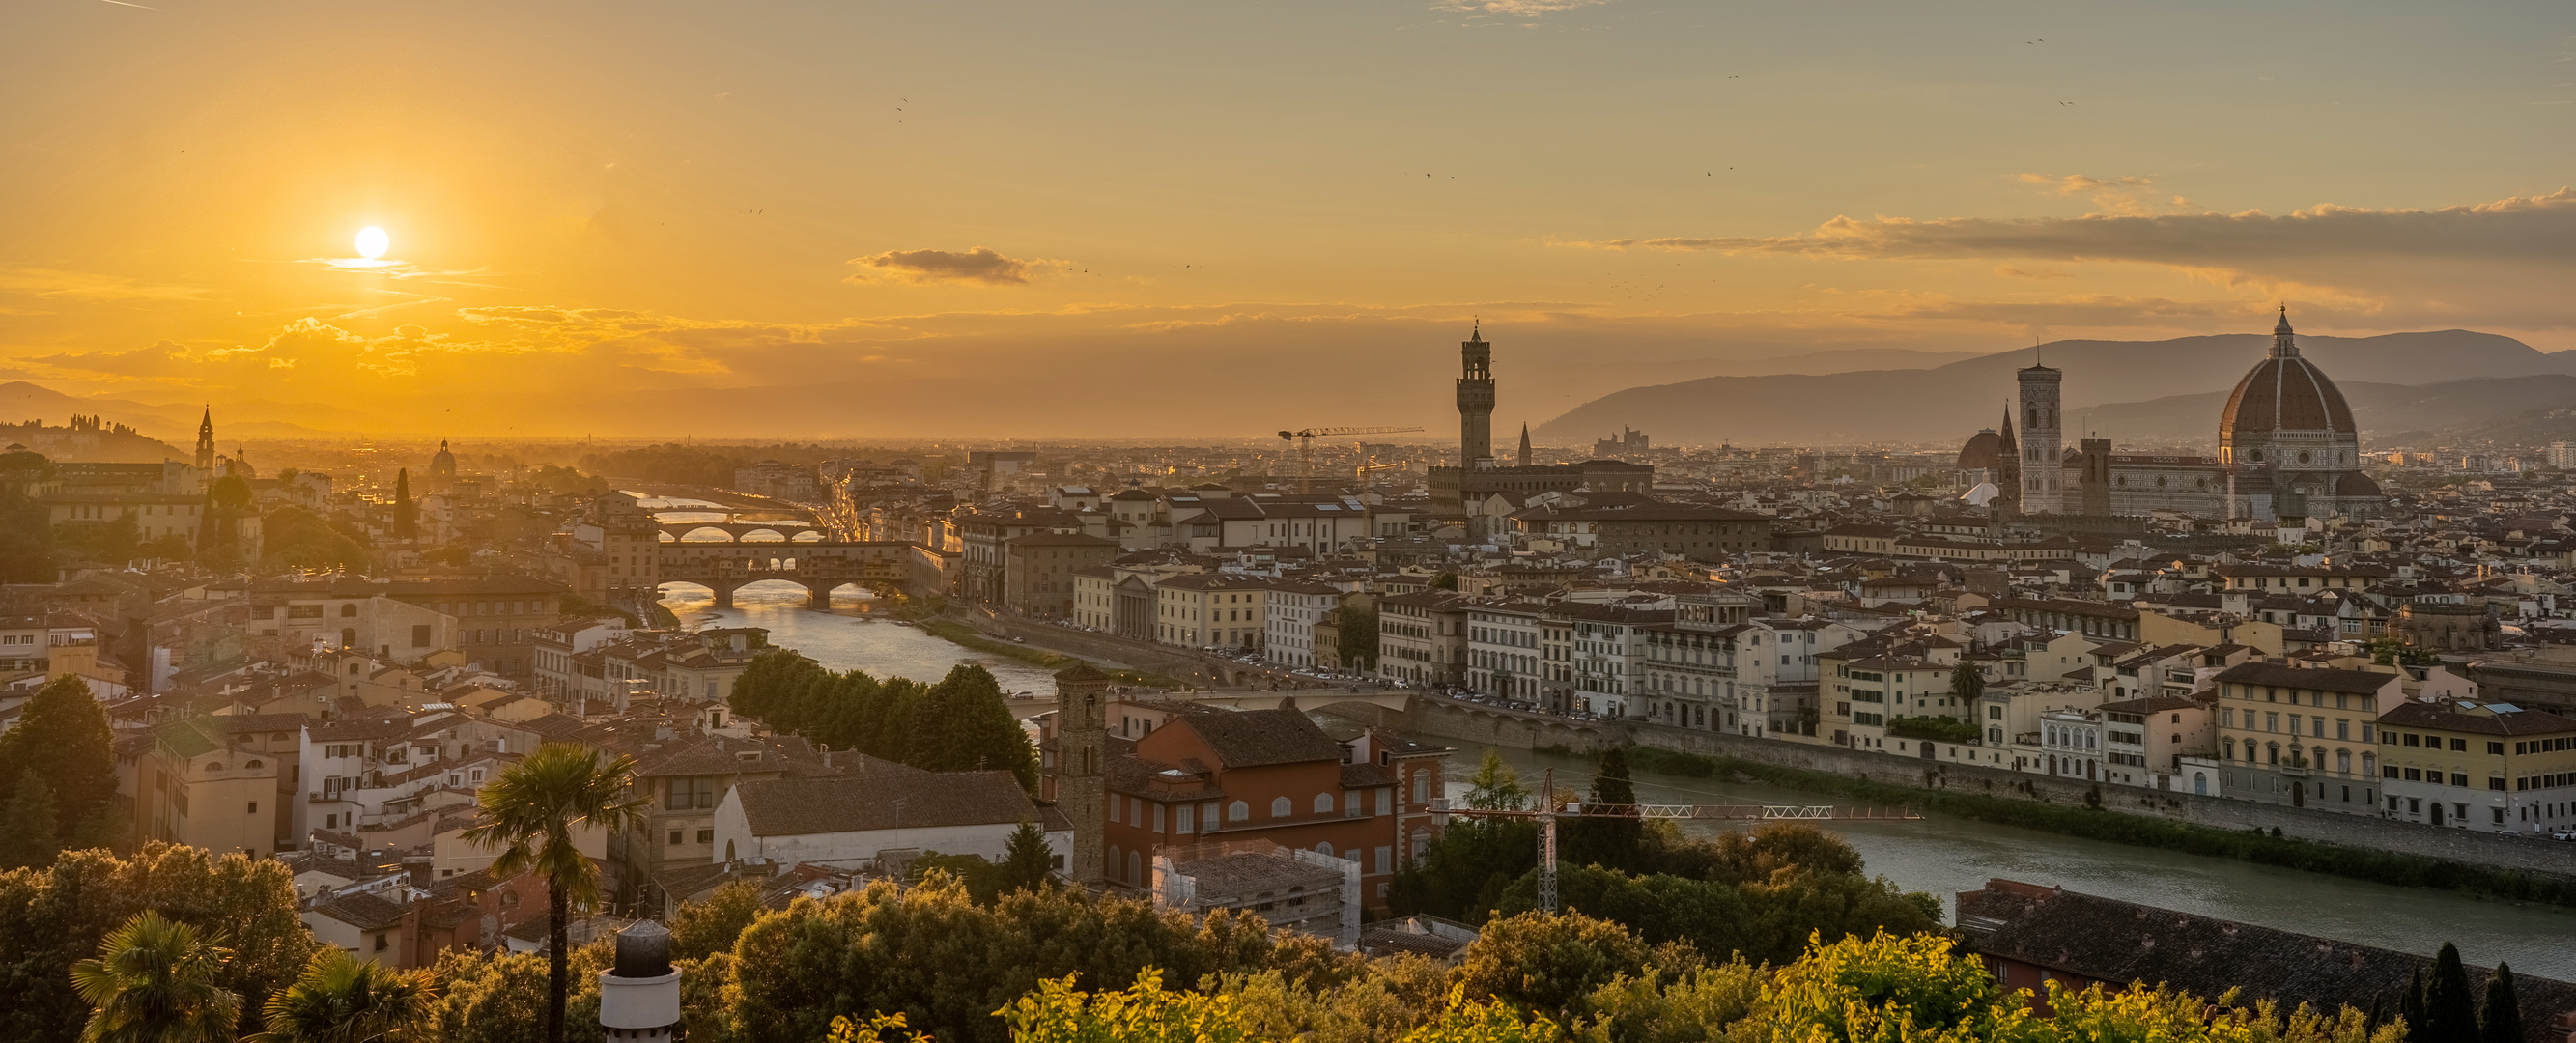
[(221, 783), (2303, 737)]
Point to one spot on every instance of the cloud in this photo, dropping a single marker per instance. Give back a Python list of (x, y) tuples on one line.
[(1516, 8), (2530, 229), (981, 265)]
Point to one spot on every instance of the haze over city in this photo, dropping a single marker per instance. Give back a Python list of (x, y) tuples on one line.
[(960, 219), (1426, 521)]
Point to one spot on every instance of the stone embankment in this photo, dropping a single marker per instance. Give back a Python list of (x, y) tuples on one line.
[(1467, 722)]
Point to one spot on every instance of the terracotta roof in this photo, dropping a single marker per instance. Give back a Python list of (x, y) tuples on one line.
[(364, 911), (2355, 682), (1252, 738), (2110, 940), (2448, 716), (893, 797)]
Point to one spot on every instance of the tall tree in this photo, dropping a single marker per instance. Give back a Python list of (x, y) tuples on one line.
[(1027, 859), (530, 813), (1611, 842), (2500, 1017), (406, 524), (1495, 786), (342, 999), (153, 981), (62, 736), (2450, 1013), (28, 836), (2410, 1007)]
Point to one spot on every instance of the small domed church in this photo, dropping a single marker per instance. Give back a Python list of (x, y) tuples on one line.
[(2287, 448)]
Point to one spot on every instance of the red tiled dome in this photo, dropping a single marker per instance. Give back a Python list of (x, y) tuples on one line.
[(1981, 451), (2287, 394)]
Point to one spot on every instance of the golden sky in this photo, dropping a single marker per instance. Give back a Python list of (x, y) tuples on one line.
[(1032, 219)]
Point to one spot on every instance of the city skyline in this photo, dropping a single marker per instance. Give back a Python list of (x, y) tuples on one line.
[(955, 216)]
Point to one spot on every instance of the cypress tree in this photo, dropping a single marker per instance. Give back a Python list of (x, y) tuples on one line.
[(2411, 1007), (2450, 1014), (1611, 843), (405, 527), (1027, 860), (2500, 1017)]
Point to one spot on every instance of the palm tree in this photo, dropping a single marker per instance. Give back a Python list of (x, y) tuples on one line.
[(154, 982), (529, 813), (342, 999)]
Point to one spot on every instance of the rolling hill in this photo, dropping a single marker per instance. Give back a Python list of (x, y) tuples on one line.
[(1954, 400)]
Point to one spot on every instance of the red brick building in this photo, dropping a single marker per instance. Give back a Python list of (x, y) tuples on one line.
[(1205, 775)]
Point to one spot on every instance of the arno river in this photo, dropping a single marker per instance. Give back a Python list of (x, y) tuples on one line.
[(1940, 855)]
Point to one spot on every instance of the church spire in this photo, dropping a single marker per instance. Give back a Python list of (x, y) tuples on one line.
[(2283, 345), (206, 441), (1525, 446)]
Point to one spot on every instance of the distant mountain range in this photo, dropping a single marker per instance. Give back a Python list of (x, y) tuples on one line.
[(2536, 408), (2166, 391)]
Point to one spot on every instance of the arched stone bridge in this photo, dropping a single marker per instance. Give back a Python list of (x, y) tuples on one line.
[(786, 531), (820, 567)]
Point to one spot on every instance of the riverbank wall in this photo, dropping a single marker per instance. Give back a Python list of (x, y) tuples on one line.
[(1477, 723)]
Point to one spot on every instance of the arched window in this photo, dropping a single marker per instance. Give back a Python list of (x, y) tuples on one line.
[(1136, 868), (2200, 783), (1325, 848), (251, 764), (214, 766), (2369, 763), (1323, 803), (1281, 808), (1113, 859), (1238, 811)]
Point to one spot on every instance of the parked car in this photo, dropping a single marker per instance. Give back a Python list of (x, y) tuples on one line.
[(2564, 833)]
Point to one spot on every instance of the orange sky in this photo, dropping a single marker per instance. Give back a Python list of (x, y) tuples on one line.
[(1032, 219)]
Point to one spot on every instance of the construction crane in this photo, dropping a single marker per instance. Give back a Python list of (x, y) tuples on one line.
[(1305, 440), (1549, 810)]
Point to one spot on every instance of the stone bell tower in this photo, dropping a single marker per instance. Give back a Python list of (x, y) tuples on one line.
[(1081, 731)]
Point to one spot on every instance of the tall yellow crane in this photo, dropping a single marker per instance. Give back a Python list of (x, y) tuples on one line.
[(1305, 439)]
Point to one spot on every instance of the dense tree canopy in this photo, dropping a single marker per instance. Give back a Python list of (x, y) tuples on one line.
[(52, 917), (963, 723), (62, 737)]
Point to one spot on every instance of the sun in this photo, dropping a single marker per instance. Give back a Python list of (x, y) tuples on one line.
[(373, 242)]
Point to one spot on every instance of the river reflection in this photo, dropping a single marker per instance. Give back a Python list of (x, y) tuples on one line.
[(848, 638), (1949, 855)]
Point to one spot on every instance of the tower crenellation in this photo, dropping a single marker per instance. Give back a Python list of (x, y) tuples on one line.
[(1476, 401)]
